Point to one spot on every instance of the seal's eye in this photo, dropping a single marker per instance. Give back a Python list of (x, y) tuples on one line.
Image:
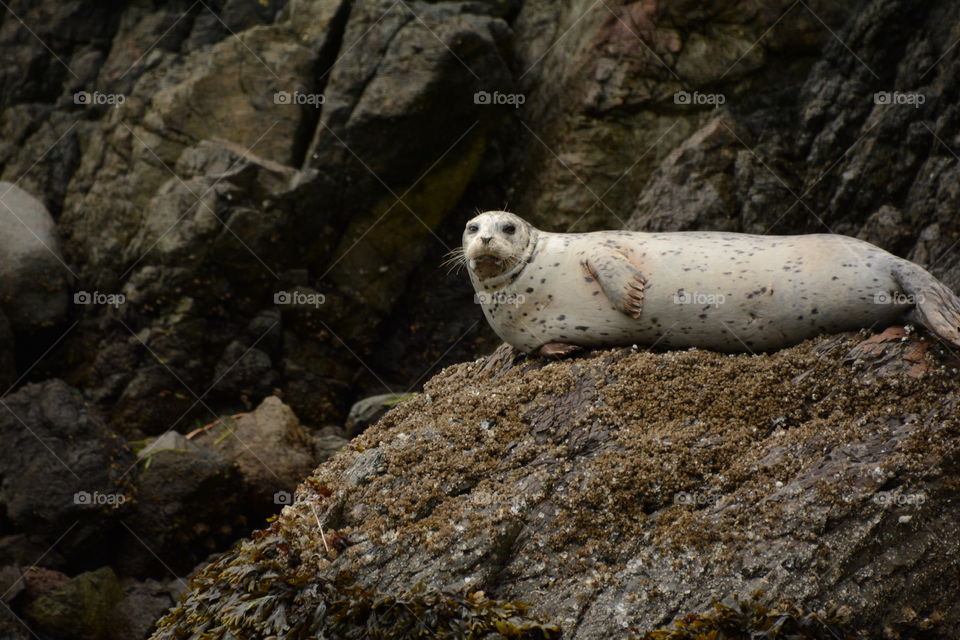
[(509, 229), (473, 228)]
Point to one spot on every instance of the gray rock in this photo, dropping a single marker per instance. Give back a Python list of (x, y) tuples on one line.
[(367, 411), (169, 441), (61, 471), (143, 603), (33, 276), (328, 441), (189, 502)]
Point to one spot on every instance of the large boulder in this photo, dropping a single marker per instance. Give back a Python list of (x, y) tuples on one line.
[(188, 503), (273, 452), (63, 474), (622, 490), (34, 279)]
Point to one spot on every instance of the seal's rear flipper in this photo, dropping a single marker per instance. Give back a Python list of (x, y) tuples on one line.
[(620, 280), (937, 307)]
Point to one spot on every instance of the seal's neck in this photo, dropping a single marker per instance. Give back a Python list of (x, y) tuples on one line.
[(501, 280)]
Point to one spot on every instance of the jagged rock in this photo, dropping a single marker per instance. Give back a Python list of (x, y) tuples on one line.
[(169, 441), (270, 448), (619, 490), (33, 276), (142, 604), (188, 503), (80, 608), (62, 471)]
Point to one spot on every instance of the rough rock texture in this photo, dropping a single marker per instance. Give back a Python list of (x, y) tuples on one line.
[(620, 490), (142, 604), (61, 470), (270, 448), (92, 595), (188, 504)]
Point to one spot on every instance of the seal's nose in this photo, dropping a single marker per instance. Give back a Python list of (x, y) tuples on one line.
[(487, 239)]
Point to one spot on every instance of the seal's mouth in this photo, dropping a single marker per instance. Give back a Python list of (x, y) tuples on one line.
[(487, 260), (488, 265)]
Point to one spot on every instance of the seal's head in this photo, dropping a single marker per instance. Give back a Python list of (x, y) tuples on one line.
[(495, 242)]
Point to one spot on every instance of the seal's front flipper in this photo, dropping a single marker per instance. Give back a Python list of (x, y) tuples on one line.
[(558, 350), (621, 281)]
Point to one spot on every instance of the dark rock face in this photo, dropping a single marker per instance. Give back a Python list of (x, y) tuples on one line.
[(224, 156), (94, 595), (619, 490), (62, 472)]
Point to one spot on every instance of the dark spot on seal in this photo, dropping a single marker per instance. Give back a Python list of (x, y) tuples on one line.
[(581, 328), (561, 317), (529, 289)]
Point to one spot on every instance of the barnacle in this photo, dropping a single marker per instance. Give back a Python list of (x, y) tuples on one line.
[(259, 591)]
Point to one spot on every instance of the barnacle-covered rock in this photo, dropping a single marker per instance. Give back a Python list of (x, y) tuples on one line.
[(616, 493)]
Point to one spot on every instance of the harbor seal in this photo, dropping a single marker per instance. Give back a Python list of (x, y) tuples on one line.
[(555, 293)]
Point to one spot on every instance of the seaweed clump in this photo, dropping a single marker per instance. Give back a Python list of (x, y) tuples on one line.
[(750, 619), (261, 590)]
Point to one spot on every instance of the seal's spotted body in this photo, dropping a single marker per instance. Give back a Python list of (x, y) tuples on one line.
[(722, 291)]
